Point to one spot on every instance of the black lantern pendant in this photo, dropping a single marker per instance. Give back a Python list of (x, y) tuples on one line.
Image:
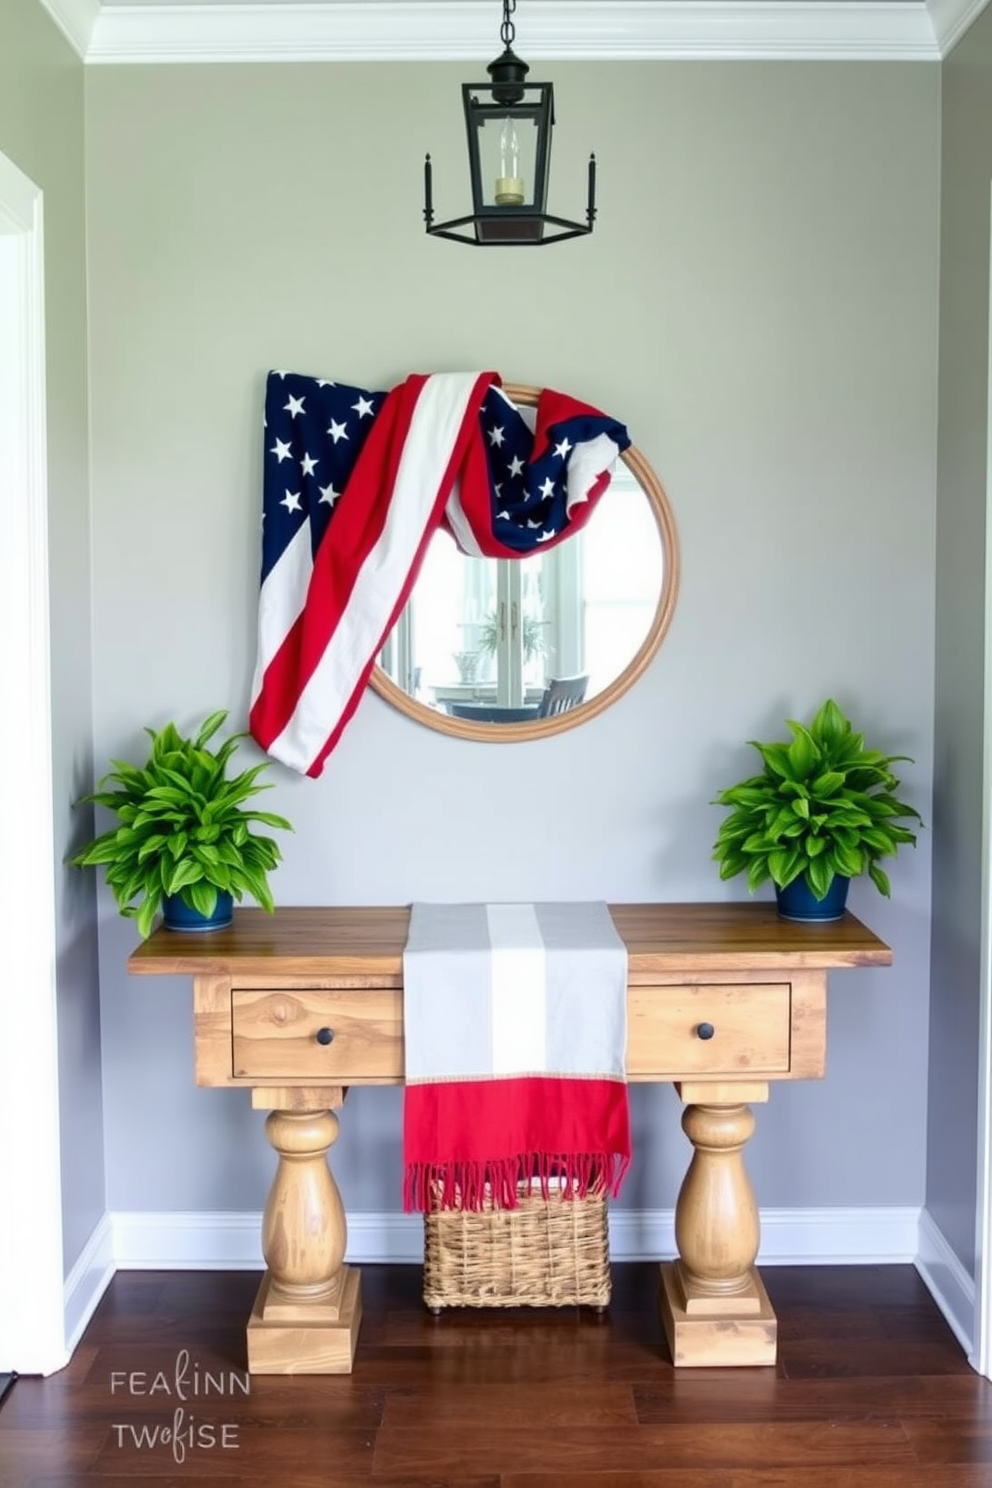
[(509, 123)]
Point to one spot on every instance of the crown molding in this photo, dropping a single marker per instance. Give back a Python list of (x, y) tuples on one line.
[(463, 30), (76, 19), (951, 19), (559, 30)]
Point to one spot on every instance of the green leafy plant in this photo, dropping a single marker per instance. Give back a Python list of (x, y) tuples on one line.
[(823, 805), (531, 635), (183, 827)]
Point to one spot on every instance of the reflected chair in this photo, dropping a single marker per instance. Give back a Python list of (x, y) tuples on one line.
[(562, 694), (492, 713)]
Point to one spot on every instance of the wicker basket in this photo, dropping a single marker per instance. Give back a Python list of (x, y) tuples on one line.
[(550, 1252)]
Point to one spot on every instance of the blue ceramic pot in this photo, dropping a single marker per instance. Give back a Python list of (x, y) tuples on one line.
[(798, 902), (178, 915)]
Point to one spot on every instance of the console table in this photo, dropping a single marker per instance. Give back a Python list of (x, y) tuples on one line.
[(722, 999)]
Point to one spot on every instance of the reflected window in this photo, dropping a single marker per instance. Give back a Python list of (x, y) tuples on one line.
[(494, 631), (475, 652)]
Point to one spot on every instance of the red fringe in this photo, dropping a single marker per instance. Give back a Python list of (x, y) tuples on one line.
[(499, 1183)]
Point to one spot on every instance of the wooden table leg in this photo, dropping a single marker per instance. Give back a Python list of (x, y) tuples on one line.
[(308, 1309), (714, 1307)]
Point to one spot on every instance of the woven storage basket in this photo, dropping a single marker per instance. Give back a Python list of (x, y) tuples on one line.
[(550, 1252)]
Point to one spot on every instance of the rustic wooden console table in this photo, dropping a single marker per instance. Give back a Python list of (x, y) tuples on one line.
[(297, 1006)]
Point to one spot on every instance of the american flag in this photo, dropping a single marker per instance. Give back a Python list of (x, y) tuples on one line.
[(355, 483)]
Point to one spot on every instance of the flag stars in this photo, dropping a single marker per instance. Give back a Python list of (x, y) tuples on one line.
[(294, 406), (328, 495), (281, 450), (363, 407), (291, 501), (516, 465), (547, 487), (309, 464), (337, 431), (496, 436), (562, 449)]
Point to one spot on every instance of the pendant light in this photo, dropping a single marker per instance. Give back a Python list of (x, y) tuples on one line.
[(509, 123)]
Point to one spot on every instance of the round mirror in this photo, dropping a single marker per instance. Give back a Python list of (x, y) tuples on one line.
[(509, 649)]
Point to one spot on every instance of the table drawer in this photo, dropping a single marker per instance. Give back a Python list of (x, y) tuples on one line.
[(667, 1029), (348, 1035)]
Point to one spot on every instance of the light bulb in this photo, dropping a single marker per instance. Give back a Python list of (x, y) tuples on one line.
[(509, 149), (509, 186)]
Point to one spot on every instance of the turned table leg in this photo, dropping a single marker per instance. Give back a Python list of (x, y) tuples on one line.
[(714, 1307), (306, 1315)]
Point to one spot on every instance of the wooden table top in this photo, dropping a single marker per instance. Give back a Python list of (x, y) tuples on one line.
[(368, 941)]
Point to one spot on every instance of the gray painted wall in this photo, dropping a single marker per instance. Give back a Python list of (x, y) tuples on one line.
[(758, 303), (961, 598), (41, 131)]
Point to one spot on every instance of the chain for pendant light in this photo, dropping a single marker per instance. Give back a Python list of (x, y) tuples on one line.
[(507, 31)]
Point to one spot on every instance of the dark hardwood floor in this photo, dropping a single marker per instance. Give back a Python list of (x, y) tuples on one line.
[(871, 1390)]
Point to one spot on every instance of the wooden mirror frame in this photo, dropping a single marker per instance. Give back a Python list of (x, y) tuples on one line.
[(542, 728)]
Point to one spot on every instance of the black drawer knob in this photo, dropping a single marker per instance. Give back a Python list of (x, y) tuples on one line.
[(325, 1035), (705, 1030)]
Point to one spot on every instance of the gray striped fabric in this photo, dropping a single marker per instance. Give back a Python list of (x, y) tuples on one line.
[(500, 990)]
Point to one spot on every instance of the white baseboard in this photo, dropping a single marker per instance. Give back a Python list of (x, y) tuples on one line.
[(840, 1237), (231, 1242), (177, 1240), (948, 1282), (223, 1241), (130, 1240), (87, 1281)]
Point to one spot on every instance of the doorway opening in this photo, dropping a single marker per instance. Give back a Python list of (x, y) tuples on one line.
[(31, 1260)]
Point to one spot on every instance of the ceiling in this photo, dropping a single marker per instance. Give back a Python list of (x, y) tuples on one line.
[(138, 31)]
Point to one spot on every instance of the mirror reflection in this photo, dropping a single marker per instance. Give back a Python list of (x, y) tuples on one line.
[(503, 649), (503, 641)]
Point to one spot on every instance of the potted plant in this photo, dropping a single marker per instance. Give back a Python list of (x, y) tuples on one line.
[(467, 663), (531, 635), (822, 811), (183, 841)]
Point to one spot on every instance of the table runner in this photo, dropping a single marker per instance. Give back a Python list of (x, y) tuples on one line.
[(515, 1023)]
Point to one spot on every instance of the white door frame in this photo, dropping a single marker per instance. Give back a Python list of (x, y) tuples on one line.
[(981, 1353), (32, 1307), (980, 1357)]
